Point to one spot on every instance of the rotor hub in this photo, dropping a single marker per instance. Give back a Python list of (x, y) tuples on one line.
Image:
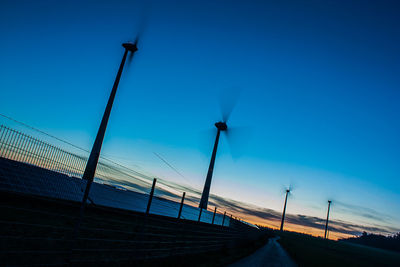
[(132, 47), (221, 126)]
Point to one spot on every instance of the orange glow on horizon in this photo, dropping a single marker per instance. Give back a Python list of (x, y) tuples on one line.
[(275, 224)]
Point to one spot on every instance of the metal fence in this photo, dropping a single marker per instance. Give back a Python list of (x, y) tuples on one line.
[(18, 146), (116, 185), (35, 232)]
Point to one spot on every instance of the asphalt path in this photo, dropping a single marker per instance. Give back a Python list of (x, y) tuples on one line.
[(271, 254)]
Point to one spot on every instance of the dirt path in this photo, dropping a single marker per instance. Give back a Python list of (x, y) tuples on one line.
[(272, 254)]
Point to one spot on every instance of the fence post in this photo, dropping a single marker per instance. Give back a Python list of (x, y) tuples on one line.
[(62, 161), (78, 168), (2, 130), (45, 156), (51, 155), (180, 208), (151, 195), (3, 139), (10, 144), (17, 146), (25, 141), (40, 152), (223, 220), (201, 210), (34, 152), (6, 143), (28, 151), (69, 165), (215, 210)]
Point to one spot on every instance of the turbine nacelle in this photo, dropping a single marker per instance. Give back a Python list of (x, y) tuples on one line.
[(132, 47), (221, 126)]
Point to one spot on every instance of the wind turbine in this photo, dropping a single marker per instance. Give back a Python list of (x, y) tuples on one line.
[(91, 164), (284, 208), (221, 127), (327, 218)]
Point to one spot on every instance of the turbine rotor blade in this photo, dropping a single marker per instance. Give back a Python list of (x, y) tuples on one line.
[(238, 139), (141, 28), (283, 190), (130, 57), (292, 186), (228, 100), (136, 42)]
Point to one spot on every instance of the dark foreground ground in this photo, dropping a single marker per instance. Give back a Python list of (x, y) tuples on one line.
[(306, 250), (38, 231)]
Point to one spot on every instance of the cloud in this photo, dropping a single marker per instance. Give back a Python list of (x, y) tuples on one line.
[(241, 209), (338, 226), (364, 212)]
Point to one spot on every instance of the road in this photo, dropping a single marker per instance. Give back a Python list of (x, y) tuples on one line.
[(272, 254)]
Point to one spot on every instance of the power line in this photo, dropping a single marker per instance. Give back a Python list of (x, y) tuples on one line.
[(169, 165)]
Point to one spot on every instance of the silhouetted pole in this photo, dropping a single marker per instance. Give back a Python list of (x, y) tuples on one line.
[(91, 164), (284, 209), (223, 220), (327, 218), (151, 195), (207, 185), (181, 206), (215, 210)]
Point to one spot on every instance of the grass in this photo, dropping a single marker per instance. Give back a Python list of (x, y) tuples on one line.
[(313, 251)]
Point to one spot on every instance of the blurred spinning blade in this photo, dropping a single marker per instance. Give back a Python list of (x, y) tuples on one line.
[(228, 99), (238, 138), (290, 188), (142, 26)]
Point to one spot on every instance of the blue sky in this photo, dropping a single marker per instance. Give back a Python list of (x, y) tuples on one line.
[(319, 80)]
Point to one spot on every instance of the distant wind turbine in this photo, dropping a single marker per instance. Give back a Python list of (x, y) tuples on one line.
[(284, 208), (327, 218)]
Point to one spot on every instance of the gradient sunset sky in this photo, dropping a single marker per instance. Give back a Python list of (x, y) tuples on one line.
[(319, 95)]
